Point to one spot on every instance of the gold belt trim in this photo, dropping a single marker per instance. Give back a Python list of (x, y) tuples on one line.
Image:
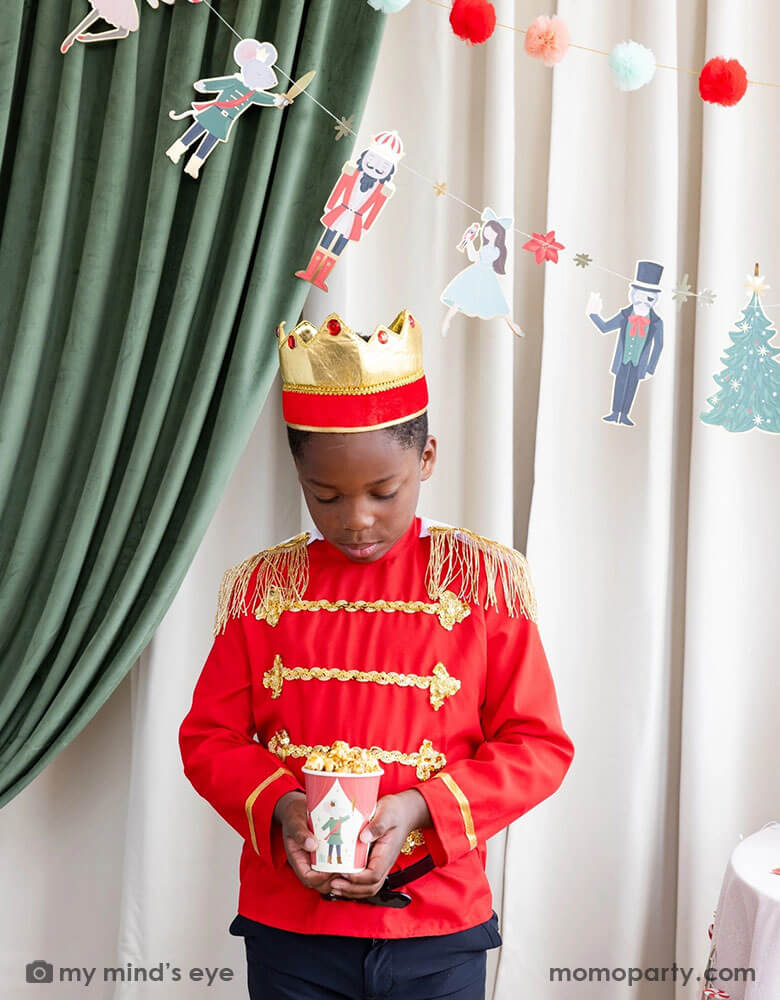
[(425, 761), (251, 801), (449, 608), (354, 390), (440, 685), (463, 802)]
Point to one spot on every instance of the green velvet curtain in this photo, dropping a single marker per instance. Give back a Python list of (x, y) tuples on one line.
[(137, 317)]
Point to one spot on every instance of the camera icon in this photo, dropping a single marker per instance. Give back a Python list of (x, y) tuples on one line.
[(39, 972)]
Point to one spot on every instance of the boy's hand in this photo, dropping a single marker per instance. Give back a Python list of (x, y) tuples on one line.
[(290, 812), (395, 817)]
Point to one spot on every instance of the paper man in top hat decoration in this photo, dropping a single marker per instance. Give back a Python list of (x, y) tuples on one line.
[(476, 290), (354, 204), (640, 340), (213, 119)]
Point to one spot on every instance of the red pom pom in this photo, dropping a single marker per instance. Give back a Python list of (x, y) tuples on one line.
[(722, 81), (473, 20)]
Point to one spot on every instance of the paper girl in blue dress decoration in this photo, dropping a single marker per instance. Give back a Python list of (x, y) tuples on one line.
[(476, 290)]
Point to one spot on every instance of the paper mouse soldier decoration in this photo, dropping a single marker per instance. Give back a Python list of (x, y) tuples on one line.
[(214, 119)]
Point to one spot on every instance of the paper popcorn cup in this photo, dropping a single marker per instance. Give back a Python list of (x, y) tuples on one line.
[(339, 806)]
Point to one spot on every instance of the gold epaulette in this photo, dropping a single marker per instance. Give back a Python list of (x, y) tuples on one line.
[(282, 575), (458, 558)]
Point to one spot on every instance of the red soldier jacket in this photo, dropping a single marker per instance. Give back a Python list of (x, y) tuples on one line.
[(431, 656), (369, 210)]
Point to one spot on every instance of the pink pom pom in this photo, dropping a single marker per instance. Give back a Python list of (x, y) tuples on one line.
[(547, 38), (473, 20), (722, 81)]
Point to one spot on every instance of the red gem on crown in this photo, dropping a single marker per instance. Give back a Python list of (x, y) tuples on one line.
[(334, 327), (291, 341), (382, 336), (411, 321)]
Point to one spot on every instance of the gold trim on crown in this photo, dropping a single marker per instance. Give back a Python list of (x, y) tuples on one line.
[(334, 360)]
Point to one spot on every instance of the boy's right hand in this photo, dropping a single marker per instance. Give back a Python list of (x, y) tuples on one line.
[(299, 841)]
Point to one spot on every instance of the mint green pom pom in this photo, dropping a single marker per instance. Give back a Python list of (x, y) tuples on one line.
[(388, 6), (632, 65)]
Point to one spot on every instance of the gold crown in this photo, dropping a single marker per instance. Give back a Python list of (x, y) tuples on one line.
[(334, 360)]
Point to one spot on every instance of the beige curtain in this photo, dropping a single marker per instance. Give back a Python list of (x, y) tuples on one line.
[(654, 548)]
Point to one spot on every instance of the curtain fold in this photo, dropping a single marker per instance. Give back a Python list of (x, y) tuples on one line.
[(137, 311)]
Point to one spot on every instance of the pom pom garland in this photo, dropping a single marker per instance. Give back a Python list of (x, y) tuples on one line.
[(722, 81), (473, 20), (547, 38), (388, 6), (632, 65)]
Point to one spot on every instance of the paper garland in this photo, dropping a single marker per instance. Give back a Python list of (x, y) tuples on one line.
[(640, 338), (354, 204), (122, 15), (475, 291)]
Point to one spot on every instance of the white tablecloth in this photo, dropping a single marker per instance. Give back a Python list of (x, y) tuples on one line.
[(746, 931)]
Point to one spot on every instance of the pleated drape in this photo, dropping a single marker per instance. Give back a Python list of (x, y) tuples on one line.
[(137, 318)]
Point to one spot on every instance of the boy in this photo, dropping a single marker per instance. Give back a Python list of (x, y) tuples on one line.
[(388, 631)]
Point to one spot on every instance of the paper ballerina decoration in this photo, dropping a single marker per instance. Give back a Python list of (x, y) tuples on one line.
[(476, 290), (354, 204), (122, 15), (640, 338), (214, 119)]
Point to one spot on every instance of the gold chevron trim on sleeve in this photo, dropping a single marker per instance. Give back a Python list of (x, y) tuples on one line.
[(252, 797), (425, 761), (282, 576), (460, 555), (439, 685), (463, 802)]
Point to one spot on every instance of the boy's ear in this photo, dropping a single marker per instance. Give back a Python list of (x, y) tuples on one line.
[(428, 459)]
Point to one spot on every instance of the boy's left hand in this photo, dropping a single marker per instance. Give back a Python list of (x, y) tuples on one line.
[(395, 817)]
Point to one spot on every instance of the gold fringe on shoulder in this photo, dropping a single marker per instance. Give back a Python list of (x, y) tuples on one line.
[(457, 556), (282, 577)]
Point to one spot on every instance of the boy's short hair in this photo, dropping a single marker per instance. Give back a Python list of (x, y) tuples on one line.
[(409, 433)]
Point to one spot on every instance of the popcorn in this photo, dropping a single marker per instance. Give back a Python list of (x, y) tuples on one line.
[(340, 756)]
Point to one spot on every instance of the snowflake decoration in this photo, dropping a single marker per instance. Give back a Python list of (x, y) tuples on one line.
[(707, 297), (344, 127), (544, 247), (736, 384), (440, 187), (582, 259), (763, 350), (758, 419), (682, 291), (756, 283)]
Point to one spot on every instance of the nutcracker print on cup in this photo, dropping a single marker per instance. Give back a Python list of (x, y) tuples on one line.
[(342, 787)]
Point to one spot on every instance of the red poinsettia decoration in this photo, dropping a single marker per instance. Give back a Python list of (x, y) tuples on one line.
[(544, 246)]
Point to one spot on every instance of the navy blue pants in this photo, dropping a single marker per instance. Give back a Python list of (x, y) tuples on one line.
[(285, 965), (626, 382)]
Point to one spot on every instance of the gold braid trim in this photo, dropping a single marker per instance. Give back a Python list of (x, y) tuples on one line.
[(460, 555), (415, 839), (426, 761), (282, 575)]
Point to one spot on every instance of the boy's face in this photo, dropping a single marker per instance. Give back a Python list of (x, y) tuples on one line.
[(362, 488)]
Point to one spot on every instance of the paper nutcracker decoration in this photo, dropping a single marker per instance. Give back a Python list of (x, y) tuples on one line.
[(340, 806), (640, 337), (476, 290), (214, 119), (354, 204), (122, 15)]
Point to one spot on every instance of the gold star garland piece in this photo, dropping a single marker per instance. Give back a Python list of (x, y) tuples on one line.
[(440, 187), (707, 297), (440, 685), (582, 260), (755, 283), (343, 127), (426, 761)]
